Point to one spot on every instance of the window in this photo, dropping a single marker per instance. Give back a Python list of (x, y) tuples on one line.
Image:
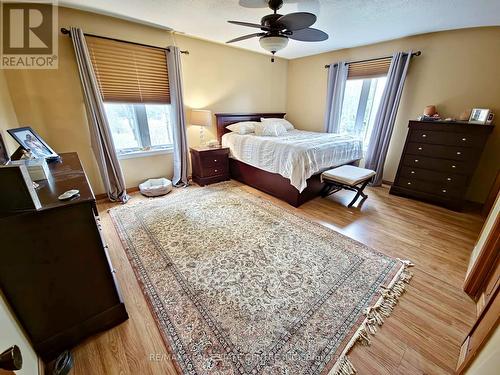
[(133, 83), (360, 105), (139, 127), (363, 92)]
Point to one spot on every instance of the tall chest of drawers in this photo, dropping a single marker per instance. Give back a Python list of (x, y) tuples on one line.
[(438, 161)]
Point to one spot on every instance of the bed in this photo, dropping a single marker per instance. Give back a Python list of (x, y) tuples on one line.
[(287, 167)]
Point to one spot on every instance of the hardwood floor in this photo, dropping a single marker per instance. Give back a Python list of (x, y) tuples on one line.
[(423, 334)]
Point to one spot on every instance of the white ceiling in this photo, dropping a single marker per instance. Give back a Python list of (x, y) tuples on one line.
[(348, 22)]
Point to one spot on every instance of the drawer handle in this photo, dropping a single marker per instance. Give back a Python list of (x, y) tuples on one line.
[(215, 160), (459, 153), (215, 170), (416, 160), (453, 166), (444, 190), (420, 148), (448, 179), (424, 135), (464, 139), (412, 172), (409, 183)]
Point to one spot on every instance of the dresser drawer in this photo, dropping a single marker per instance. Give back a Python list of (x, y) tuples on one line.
[(441, 165), (432, 188), (446, 138), (443, 152), (442, 178)]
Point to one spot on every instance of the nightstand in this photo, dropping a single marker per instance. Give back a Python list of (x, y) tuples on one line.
[(209, 165)]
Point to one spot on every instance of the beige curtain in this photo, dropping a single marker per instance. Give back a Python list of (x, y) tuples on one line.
[(102, 141)]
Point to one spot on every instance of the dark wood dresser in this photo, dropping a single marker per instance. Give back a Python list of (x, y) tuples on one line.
[(54, 268), (209, 165), (438, 161)]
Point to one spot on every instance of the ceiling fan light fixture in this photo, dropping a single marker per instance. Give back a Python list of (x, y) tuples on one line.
[(273, 43)]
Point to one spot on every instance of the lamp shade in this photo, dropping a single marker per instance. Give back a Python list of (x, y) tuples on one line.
[(201, 117), (273, 43)]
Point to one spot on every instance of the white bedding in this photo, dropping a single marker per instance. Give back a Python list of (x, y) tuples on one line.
[(297, 155)]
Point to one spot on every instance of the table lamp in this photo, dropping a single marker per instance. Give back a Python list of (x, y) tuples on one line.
[(201, 118)]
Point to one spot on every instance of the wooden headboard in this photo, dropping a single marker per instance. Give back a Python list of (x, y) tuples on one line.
[(226, 119)]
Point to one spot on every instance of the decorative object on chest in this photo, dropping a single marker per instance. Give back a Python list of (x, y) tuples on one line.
[(210, 165), (439, 160)]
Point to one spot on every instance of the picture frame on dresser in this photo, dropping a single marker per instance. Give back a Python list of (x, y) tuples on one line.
[(439, 160), (479, 116), (31, 141)]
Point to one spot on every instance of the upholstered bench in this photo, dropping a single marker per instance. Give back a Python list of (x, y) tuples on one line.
[(347, 177)]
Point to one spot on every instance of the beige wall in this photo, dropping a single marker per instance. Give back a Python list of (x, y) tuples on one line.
[(488, 360), (8, 117), (216, 77), (457, 70)]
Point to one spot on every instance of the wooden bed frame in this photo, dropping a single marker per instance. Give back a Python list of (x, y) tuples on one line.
[(268, 182)]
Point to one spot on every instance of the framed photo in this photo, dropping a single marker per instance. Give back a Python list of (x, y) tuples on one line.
[(479, 115), (30, 140)]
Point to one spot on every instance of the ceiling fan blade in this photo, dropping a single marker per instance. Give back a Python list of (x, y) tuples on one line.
[(245, 37), (254, 3), (297, 21), (248, 24), (309, 35)]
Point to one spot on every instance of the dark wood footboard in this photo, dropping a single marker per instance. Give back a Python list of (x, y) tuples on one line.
[(274, 184)]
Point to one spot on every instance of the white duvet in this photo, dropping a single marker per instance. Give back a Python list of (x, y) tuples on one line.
[(297, 155)]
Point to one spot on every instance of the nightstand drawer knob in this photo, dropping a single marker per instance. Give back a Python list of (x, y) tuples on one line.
[(453, 166), (416, 160), (459, 153), (448, 179), (424, 135), (215, 170), (215, 160), (420, 148), (409, 183), (412, 172), (444, 190), (464, 139)]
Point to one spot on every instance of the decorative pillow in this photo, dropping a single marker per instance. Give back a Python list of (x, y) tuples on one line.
[(287, 124), (270, 129), (243, 127)]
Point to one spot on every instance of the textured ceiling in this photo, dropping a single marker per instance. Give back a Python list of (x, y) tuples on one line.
[(348, 22)]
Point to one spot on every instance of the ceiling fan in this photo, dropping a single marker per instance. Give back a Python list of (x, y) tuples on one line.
[(278, 29)]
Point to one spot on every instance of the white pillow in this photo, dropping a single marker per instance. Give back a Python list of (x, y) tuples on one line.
[(270, 129), (287, 124), (243, 127)]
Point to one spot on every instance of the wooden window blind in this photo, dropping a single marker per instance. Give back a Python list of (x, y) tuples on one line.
[(129, 73), (369, 69)]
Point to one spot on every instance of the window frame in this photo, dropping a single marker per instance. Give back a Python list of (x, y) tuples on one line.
[(142, 132)]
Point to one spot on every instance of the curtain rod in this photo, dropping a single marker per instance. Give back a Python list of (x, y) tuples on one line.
[(66, 32), (418, 53)]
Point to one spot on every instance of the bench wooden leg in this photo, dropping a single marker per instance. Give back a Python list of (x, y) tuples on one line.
[(359, 192)]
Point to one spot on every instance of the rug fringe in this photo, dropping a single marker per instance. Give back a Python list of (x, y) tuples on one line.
[(375, 316)]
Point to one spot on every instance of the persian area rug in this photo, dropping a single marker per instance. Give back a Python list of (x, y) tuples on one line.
[(239, 285)]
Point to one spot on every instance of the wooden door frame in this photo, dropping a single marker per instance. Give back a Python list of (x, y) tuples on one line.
[(485, 261)]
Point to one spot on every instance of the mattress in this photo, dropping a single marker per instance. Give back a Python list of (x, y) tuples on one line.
[(297, 155)]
